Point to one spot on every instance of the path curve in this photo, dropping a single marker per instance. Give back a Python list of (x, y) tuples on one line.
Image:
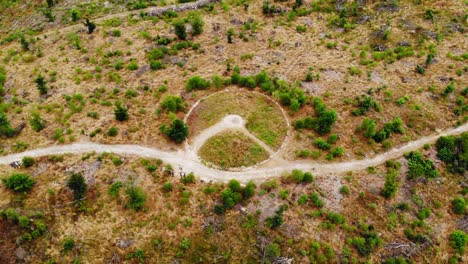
[(210, 174), (228, 123)]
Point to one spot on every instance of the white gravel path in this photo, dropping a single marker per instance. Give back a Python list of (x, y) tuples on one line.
[(190, 164)]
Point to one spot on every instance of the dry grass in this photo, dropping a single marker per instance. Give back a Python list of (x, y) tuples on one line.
[(264, 119), (232, 150)]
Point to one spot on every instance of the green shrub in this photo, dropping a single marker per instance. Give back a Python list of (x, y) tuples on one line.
[(167, 187), (367, 243), (276, 220), (420, 167), (272, 251), (36, 122), (78, 185), (424, 213), (136, 198), (19, 182), (112, 132), (133, 65), (395, 126), (120, 112), (41, 84), (172, 103), (344, 190), (322, 144), (114, 189), (28, 161), (452, 151), (458, 240), (179, 28), (391, 185), (459, 205), (68, 244), (177, 132), (156, 65), (249, 190), (23, 221), (365, 103), (189, 178), (5, 128), (197, 24), (368, 127), (316, 201), (197, 83)]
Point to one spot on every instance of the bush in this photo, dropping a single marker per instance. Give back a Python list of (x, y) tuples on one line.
[(395, 126), (316, 201), (458, 240), (230, 198), (276, 220), (391, 185), (299, 176), (36, 122), (68, 244), (452, 151), (368, 127), (197, 24), (156, 65), (366, 244), (420, 167), (5, 128), (190, 178), (179, 28), (114, 189), (459, 205), (167, 187), (197, 83), (272, 251), (112, 132), (177, 132), (19, 182), (41, 84), (365, 104), (322, 144), (27, 161), (172, 103), (249, 190), (78, 185), (136, 198), (120, 112)]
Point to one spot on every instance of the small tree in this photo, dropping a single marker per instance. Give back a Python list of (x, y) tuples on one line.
[(5, 128), (458, 240), (177, 132), (179, 28), (78, 185), (24, 43), (50, 3), (19, 182), (41, 84), (136, 198), (120, 112), (27, 161), (90, 25), (230, 33), (75, 15), (459, 205), (36, 122), (197, 24)]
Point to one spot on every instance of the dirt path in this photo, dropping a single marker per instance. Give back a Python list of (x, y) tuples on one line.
[(230, 122), (209, 174)]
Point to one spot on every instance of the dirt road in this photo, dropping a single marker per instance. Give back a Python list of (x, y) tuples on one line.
[(259, 174)]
